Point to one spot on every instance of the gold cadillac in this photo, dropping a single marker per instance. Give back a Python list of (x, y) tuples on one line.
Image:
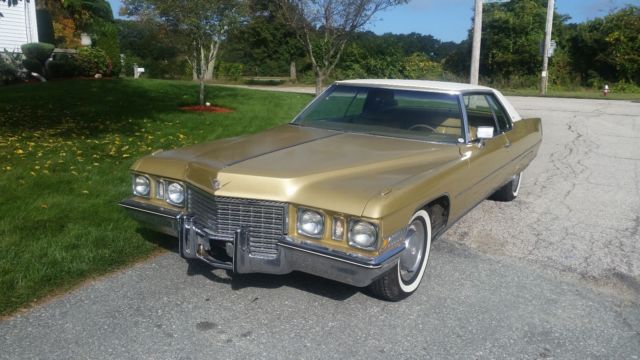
[(354, 189)]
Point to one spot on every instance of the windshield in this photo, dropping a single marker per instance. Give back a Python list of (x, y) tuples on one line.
[(413, 114)]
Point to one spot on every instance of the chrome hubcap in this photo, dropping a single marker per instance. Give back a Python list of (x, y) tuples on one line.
[(411, 258)]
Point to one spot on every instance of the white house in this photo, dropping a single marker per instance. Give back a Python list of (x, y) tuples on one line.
[(18, 26)]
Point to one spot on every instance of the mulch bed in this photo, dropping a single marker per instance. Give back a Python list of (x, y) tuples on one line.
[(205, 108)]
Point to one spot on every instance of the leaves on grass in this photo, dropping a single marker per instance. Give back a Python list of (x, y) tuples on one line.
[(64, 152)]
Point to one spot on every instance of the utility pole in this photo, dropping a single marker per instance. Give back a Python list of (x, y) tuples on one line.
[(475, 50), (544, 79)]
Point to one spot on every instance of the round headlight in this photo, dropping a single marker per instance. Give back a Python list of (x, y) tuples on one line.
[(363, 235), (175, 193), (141, 185), (310, 223)]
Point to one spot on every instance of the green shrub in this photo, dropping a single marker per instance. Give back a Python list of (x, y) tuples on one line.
[(106, 37), (10, 68), (93, 61), (63, 66), (265, 81), (418, 66), (626, 87), (230, 71), (351, 70), (32, 65), (129, 61), (39, 52)]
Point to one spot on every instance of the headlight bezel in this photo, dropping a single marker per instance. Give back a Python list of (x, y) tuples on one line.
[(134, 185), (167, 193), (299, 225), (157, 188), (373, 245)]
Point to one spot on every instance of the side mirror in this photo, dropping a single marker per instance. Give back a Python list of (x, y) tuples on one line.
[(485, 132)]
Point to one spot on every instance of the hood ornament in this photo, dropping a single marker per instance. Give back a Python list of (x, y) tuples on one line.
[(215, 183)]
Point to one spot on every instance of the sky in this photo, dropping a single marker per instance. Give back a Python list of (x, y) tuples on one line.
[(450, 20)]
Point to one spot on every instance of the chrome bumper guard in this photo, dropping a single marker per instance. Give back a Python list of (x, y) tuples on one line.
[(196, 243)]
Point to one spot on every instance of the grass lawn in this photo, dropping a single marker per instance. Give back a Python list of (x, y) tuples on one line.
[(65, 150), (585, 94)]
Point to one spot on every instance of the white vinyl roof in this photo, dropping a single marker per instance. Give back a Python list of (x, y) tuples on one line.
[(415, 84), (433, 85)]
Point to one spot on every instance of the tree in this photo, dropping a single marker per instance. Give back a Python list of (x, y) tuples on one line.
[(324, 27), (205, 23), (265, 44), (511, 37), (150, 44), (607, 49), (512, 34), (623, 43)]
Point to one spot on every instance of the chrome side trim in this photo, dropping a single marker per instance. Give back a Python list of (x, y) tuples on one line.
[(149, 209), (368, 263), (154, 217)]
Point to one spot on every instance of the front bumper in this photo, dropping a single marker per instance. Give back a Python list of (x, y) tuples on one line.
[(197, 242)]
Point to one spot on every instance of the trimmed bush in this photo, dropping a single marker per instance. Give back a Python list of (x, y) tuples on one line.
[(93, 61), (39, 52), (63, 66), (33, 65)]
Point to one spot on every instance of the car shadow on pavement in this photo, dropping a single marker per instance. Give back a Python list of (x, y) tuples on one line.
[(301, 281), (297, 280)]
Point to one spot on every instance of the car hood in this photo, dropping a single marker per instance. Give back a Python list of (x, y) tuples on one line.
[(325, 169)]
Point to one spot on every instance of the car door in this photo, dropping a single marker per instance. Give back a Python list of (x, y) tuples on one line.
[(518, 136), (486, 157)]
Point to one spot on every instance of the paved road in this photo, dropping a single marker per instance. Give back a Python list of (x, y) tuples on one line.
[(553, 274), (579, 208)]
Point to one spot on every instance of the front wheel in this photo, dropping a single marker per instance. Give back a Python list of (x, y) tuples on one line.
[(402, 280)]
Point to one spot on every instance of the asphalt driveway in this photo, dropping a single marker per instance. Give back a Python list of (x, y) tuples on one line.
[(554, 274)]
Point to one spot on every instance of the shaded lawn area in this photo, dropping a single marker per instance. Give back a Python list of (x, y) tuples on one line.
[(65, 150)]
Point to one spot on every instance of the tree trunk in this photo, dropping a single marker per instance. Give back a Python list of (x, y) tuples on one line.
[(293, 74), (319, 82), (201, 76), (201, 98), (213, 55), (209, 74)]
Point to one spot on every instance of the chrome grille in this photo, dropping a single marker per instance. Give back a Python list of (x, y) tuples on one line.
[(266, 220)]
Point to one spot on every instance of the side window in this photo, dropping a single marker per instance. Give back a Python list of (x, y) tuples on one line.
[(504, 121), (479, 113)]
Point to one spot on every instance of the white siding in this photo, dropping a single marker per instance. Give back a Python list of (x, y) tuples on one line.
[(18, 26)]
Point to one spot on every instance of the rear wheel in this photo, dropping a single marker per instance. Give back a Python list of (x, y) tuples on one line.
[(402, 280), (509, 191)]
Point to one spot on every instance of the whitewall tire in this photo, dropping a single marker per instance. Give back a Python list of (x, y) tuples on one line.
[(405, 277)]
